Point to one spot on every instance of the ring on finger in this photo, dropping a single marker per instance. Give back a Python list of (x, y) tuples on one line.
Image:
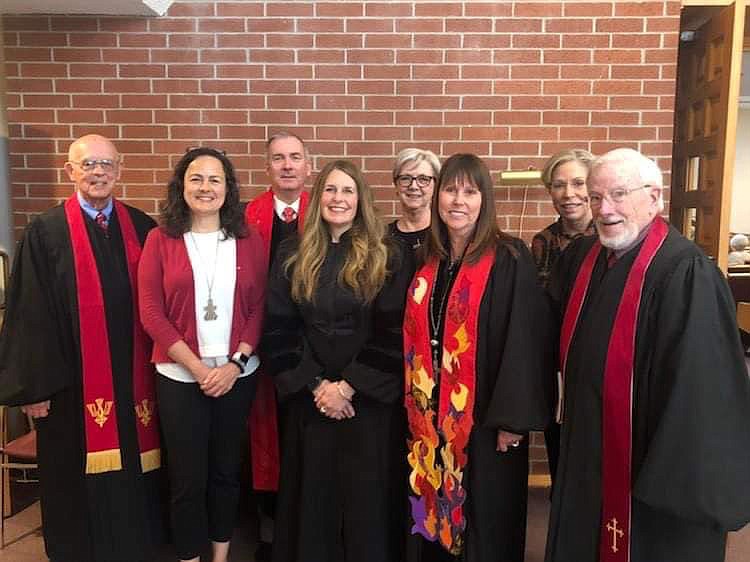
[(323, 410), (515, 444)]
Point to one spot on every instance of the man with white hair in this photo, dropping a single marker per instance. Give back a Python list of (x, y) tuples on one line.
[(655, 451), (74, 355)]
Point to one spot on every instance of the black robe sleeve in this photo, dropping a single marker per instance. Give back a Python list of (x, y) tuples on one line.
[(377, 371), (33, 366), (697, 458), (286, 354), (521, 398)]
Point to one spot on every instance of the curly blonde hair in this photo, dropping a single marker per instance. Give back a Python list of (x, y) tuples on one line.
[(365, 267)]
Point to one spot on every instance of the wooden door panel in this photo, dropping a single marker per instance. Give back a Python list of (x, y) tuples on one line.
[(705, 129)]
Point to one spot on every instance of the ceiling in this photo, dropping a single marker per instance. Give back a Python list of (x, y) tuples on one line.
[(115, 8)]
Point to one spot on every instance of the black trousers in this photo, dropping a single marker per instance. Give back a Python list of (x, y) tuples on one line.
[(203, 438)]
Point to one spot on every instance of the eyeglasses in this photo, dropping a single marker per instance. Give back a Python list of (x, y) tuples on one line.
[(90, 164), (405, 180), (615, 196)]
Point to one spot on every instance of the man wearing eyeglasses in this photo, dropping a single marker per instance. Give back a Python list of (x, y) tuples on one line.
[(74, 356), (655, 462), (278, 213)]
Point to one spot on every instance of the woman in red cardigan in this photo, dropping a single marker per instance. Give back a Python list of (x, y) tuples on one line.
[(201, 289)]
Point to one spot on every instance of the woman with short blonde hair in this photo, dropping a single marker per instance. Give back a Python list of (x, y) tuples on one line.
[(564, 175), (414, 174)]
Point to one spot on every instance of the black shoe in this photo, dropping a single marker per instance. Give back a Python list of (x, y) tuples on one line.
[(263, 552)]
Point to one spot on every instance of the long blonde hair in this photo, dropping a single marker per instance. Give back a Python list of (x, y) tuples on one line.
[(365, 267)]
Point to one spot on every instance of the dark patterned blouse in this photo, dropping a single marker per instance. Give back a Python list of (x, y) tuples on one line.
[(548, 244), (412, 240)]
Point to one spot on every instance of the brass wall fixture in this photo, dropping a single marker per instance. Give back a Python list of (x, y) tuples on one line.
[(520, 177)]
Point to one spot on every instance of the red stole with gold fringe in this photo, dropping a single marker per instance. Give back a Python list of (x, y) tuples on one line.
[(437, 493), (100, 411), (617, 398), (264, 433)]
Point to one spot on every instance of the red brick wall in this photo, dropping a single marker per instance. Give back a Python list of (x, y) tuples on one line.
[(510, 81)]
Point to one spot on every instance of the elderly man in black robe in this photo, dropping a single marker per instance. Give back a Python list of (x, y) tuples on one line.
[(655, 453), (73, 354)]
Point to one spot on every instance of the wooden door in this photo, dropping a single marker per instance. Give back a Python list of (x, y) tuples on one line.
[(708, 86)]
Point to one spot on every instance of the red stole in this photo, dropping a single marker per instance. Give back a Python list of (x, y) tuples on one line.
[(264, 437), (617, 398), (260, 212), (436, 493), (100, 412)]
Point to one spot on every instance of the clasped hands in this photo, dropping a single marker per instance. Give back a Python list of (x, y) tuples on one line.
[(217, 381), (334, 399)]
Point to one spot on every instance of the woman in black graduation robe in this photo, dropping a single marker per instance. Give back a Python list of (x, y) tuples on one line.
[(513, 362), (340, 492), (109, 517)]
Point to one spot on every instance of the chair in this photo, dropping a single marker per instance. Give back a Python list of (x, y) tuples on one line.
[(23, 452)]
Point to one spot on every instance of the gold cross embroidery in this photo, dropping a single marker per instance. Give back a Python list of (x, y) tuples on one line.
[(616, 533)]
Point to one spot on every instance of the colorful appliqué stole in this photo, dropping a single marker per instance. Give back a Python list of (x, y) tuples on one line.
[(99, 408), (437, 493), (264, 433), (617, 399)]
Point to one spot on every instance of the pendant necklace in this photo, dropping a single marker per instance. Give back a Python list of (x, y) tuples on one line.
[(210, 308), (451, 271)]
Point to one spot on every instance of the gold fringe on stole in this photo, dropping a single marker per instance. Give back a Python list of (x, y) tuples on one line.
[(150, 460), (103, 461)]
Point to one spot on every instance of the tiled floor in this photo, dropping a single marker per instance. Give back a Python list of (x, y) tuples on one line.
[(31, 548)]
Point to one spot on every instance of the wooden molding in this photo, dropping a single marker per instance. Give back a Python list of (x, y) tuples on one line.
[(686, 3), (743, 321), (540, 481)]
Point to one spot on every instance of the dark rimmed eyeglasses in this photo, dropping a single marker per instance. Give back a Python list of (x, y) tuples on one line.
[(405, 180)]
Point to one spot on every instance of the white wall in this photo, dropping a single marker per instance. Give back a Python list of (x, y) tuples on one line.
[(740, 213)]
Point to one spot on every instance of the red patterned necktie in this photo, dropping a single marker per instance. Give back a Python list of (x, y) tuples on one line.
[(101, 221), (289, 214), (611, 259)]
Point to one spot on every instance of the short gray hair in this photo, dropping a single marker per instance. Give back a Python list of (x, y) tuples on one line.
[(286, 135), (415, 156)]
